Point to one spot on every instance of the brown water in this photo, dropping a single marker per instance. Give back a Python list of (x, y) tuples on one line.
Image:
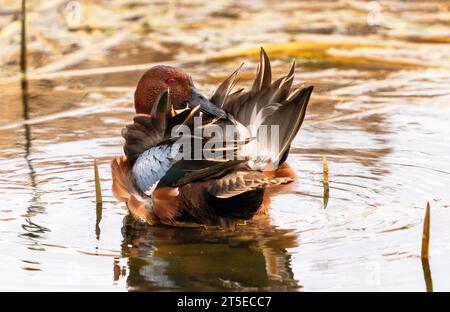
[(380, 113)]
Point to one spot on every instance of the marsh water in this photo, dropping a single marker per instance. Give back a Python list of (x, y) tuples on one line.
[(380, 113)]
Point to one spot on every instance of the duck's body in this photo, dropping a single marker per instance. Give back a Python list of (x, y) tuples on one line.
[(160, 185)]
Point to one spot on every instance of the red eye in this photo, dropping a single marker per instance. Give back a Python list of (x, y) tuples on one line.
[(170, 81)]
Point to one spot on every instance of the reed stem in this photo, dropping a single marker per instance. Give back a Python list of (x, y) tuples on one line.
[(426, 233), (326, 185), (98, 189), (23, 41), (325, 169)]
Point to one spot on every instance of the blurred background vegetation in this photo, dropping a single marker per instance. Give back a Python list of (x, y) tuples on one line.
[(79, 34)]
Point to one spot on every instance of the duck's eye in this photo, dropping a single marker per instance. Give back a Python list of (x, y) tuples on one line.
[(170, 81)]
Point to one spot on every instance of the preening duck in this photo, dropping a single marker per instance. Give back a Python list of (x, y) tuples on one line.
[(182, 165)]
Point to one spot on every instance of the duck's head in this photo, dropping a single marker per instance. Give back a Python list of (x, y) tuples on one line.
[(182, 92)]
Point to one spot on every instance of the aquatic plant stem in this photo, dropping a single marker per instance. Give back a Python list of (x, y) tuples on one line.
[(98, 190), (325, 169), (98, 199), (326, 186), (425, 250), (427, 274), (23, 43), (426, 233)]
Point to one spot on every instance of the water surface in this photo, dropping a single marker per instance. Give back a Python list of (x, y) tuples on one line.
[(380, 113)]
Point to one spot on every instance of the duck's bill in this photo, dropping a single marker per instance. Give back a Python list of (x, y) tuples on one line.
[(205, 105)]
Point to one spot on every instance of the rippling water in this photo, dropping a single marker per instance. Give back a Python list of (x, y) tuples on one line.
[(380, 113)]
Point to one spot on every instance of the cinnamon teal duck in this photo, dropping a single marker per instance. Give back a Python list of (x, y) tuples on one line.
[(163, 181)]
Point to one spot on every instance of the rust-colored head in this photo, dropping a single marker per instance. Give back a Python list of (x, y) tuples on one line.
[(156, 80)]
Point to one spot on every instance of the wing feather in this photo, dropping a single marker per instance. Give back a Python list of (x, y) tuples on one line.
[(271, 104)]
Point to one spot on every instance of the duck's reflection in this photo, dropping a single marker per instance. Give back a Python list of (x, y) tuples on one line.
[(246, 257)]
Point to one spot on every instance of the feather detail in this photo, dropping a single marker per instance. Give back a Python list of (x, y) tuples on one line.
[(123, 188), (152, 165), (240, 182), (148, 130), (270, 104), (166, 204), (264, 73), (224, 89)]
